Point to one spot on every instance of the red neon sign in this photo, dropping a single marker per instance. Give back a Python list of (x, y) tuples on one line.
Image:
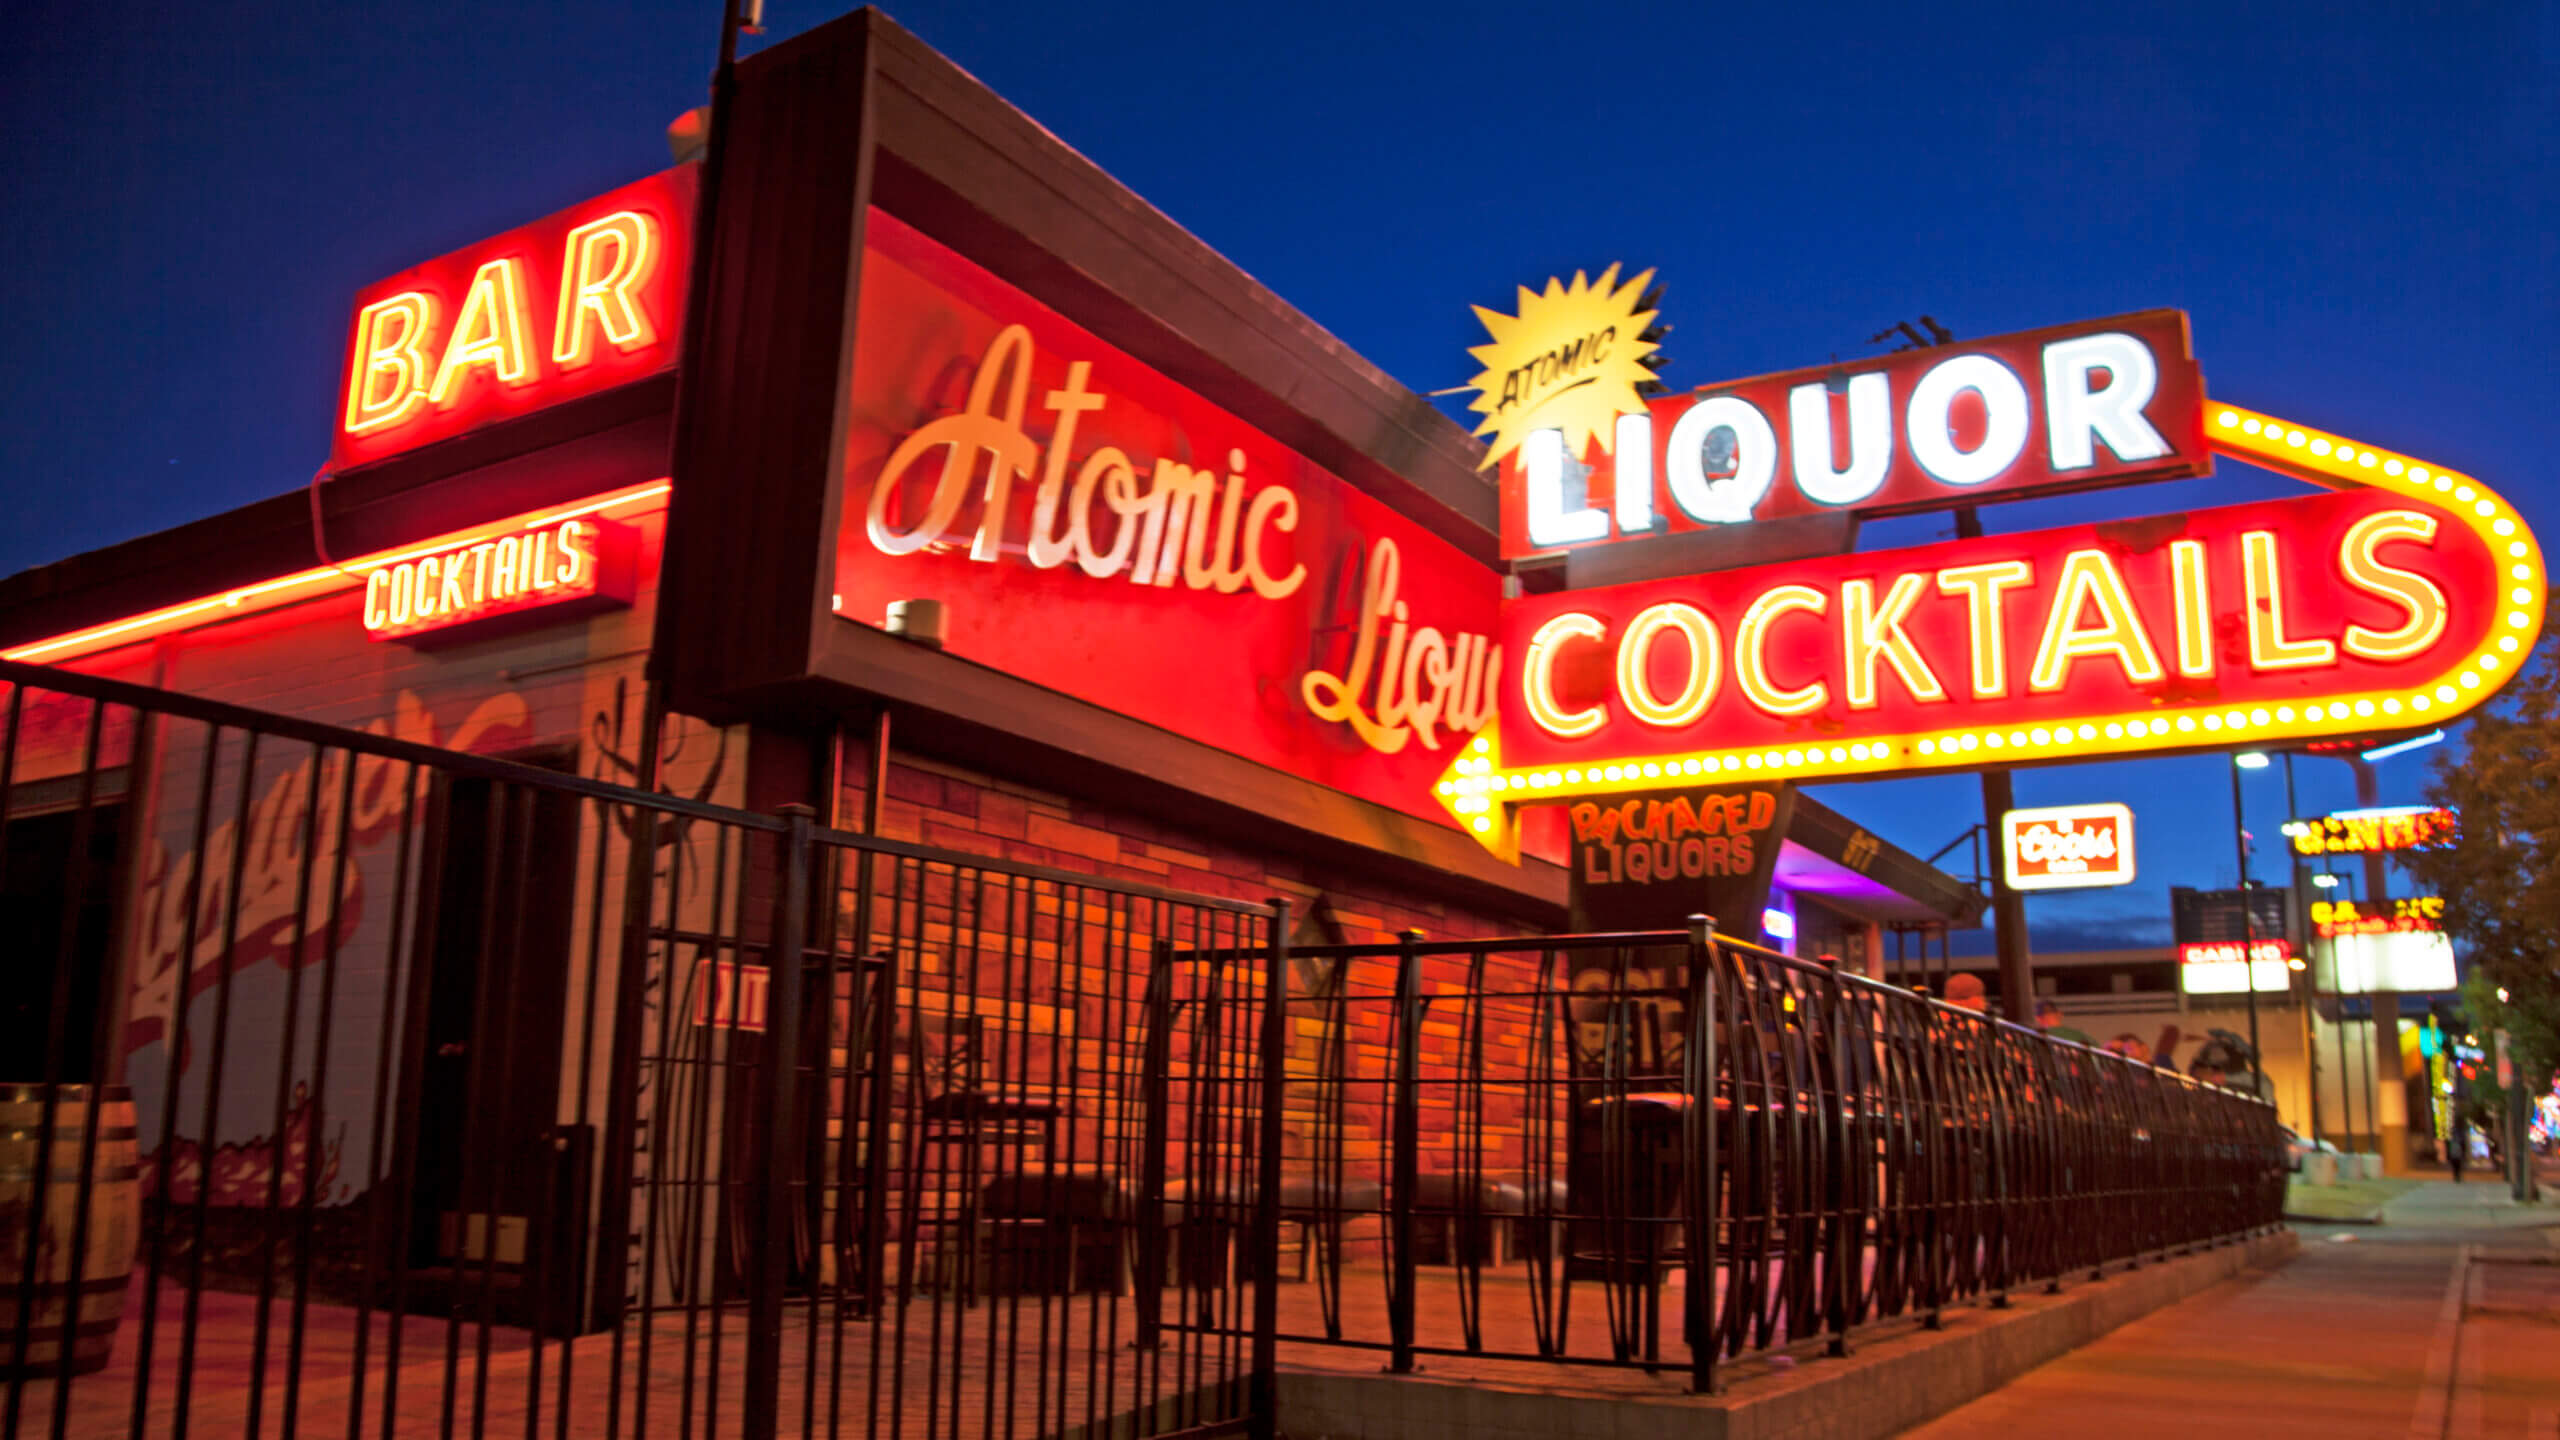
[(574, 303), (2072, 407), (1096, 527), (2272, 949), (557, 569), (2041, 646)]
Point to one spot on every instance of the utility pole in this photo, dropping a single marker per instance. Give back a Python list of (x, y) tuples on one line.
[(2008, 908), (2248, 936), (2384, 1004), (2311, 962)]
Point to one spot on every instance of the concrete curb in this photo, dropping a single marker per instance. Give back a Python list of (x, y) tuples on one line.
[(1891, 1383)]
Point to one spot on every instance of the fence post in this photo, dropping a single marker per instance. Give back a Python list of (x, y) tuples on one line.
[(772, 1190), (1155, 1079), (1705, 1187), (1264, 1415), (1405, 1130)]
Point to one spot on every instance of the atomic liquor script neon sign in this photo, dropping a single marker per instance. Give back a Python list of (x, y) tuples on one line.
[(2405, 594)]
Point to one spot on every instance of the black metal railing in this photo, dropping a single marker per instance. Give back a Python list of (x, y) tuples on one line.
[(364, 1087), (1771, 1152)]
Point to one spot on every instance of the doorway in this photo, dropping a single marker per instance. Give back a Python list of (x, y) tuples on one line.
[(498, 1203)]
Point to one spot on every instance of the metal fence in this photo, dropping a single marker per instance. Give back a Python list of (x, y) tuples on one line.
[(1539, 1148), (366, 1088)]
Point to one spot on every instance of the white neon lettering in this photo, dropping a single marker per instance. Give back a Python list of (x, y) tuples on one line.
[(1542, 460), (1749, 458), (2074, 415), (2004, 403), (1870, 440)]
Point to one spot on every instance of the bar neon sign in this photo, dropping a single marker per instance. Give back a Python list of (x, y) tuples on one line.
[(558, 569), (574, 303)]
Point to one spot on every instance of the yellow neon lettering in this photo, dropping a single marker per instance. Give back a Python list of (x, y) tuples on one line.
[(489, 330), (607, 260), (1635, 650), (2269, 647), (503, 585), (1537, 678), (1869, 632), (537, 561), (1045, 548), (480, 570), (1750, 664), (1276, 506), (376, 613), (976, 428), (1980, 585), (2088, 576), (425, 604), (449, 591), (388, 377), (2360, 561), (577, 552), (2194, 606)]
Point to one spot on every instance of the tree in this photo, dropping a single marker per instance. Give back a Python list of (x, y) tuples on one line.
[(2501, 880)]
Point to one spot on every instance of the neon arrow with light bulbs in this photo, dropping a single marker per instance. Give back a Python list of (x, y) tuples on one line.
[(2406, 594)]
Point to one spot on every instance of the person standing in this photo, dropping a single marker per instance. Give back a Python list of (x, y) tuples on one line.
[(2049, 1020), (2458, 1146)]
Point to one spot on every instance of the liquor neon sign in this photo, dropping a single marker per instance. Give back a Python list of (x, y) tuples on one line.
[(2103, 402), (2405, 595), (572, 304)]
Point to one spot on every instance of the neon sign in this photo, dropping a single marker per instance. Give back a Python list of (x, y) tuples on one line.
[(581, 562), (2376, 831), (2103, 402), (2067, 847), (2405, 595), (572, 304), (2421, 914), (2266, 950)]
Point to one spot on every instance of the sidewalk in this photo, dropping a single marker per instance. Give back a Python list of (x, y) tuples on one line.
[(2439, 1322)]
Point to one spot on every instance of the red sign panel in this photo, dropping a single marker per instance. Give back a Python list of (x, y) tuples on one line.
[(1097, 528), (2264, 951), (2067, 847), (572, 304), (552, 570), (2102, 402), (2194, 630)]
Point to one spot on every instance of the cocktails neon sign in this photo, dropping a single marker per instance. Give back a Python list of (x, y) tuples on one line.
[(2403, 596), (582, 562)]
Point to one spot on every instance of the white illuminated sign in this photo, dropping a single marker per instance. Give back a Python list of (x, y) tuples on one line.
[(2067, 847)]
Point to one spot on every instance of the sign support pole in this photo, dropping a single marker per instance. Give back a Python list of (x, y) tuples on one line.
[(2383, 1006), (2008, 908), (2248, 938)]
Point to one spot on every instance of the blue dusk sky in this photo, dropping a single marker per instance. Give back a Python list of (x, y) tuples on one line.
[(2357, 203)]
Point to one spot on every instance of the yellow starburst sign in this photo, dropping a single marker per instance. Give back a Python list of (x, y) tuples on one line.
[(1571, 360)]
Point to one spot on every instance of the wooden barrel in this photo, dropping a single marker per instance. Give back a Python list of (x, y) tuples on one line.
[(94, 1279)]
